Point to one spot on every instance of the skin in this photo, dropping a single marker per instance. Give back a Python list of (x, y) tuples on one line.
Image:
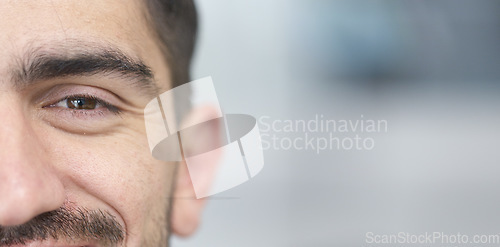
[(53, 156)]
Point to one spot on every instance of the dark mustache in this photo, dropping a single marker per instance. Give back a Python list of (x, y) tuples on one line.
[(73, 225)]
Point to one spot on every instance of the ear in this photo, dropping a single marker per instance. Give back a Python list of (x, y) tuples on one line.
[(186, 208)]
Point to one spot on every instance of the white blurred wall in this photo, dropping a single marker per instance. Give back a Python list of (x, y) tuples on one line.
[(437, 167)]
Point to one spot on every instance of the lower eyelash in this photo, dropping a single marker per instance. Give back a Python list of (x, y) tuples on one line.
[(90, 113)]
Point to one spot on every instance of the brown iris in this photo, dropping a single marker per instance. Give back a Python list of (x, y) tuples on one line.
[(81, 103)]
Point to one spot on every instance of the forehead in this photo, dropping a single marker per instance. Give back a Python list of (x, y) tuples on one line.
[(45, 25), (118, 22), (40, 18)]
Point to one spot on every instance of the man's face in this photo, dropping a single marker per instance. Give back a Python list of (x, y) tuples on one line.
[(74, 79)]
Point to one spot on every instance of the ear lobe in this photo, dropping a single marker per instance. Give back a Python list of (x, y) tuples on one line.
[(186, 209)]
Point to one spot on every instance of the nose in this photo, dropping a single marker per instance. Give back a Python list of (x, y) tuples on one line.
[(28, 184)]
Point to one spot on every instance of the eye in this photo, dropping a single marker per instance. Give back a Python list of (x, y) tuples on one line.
[(85, 103), (81, 109), (80, 103)]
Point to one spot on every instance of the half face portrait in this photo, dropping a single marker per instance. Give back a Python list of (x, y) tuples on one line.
[(75, 166)]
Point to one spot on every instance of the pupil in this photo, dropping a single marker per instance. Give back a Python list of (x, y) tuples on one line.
[(81, 103)]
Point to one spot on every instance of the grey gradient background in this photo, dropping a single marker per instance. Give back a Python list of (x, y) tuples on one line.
[(431, 68)]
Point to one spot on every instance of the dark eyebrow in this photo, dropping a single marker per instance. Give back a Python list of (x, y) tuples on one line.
[(87, 60)]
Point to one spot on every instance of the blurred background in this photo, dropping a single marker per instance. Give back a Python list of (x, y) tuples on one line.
[(430, 68)]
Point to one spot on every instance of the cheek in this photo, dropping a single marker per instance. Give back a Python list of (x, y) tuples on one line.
[(117, 171)]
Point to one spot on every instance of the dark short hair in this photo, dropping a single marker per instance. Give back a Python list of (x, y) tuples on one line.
[(175, 24)]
